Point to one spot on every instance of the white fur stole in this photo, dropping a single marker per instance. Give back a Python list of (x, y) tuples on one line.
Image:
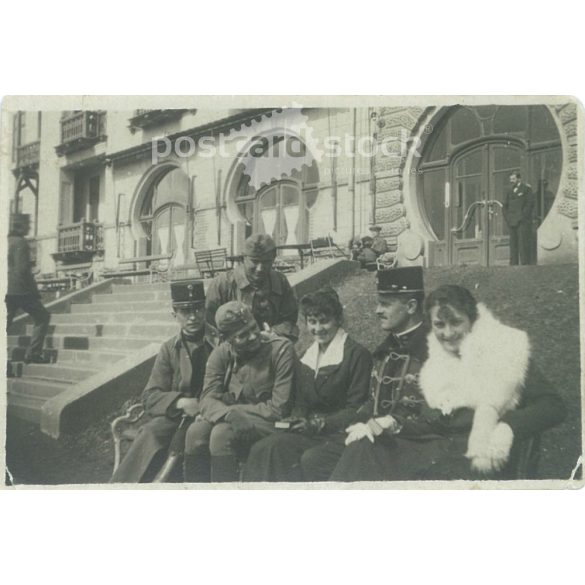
[(487, 377)]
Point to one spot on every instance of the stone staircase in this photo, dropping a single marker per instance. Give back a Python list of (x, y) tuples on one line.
[(85, 342)]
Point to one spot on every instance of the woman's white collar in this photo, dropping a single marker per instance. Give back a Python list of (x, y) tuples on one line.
[(333, 354)]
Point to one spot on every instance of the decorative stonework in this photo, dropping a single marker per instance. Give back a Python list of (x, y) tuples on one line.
[(567, 113), (568, 207), (572, 172), (395, 228), (388, 198), (571, 190), (567, 204), (397, 123), (570, 129), (388, 184), (389, 214)]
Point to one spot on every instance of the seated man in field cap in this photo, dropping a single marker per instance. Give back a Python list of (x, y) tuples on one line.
[(255, 283), (249, 385), (171, 396)]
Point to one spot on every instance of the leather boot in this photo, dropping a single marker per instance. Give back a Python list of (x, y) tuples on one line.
[(196, 466), (224, 468)]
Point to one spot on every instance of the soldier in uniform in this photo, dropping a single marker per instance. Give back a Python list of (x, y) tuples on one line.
[(379, 244), (393, 385), (249, 385), (255, 283), (395, 401), (465, 413), (22, 290), (171, 396), (518, 210)]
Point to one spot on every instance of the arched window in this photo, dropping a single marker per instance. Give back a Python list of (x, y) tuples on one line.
[(163, 217), (465, 168), (276, 191)]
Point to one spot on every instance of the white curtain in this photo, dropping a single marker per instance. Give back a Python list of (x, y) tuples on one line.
[(163, 237), (269, 219), (179, 231), (291, 216)]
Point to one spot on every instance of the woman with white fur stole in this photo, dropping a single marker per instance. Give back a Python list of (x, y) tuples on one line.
[(483, 395)]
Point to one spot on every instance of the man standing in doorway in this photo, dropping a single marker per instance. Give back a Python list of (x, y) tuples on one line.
[(518, 209), (22, 290)]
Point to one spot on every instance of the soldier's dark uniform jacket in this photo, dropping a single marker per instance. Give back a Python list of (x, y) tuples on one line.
[(277, 294), (177, 372), (261, 386), (394, 387)]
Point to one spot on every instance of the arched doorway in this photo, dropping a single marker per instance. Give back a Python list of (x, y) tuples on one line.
[(163, 217), (464, 172)]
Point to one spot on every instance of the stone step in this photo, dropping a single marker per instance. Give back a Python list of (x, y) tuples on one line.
[(59, 372), (25, 407), (161, 316), (115, 343), (36, 387), (132, 296), (61, 342), (121, 307), (160, 330), (93, 359)]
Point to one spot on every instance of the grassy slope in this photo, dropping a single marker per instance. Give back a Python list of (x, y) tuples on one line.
[(541, 300)]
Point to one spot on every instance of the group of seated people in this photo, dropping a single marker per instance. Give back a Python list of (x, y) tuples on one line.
[(451, 393), (367, 249)]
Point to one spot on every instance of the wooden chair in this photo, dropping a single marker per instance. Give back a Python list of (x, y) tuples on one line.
[(321, 248), (210, 262), (124, 430), (524, 459), (388, 259)]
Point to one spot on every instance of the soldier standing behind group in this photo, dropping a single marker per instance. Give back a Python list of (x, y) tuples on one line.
[(255, 283), (22, 290)]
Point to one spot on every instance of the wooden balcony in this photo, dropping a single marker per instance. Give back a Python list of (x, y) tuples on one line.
[(147, 118), (78, 242), (81, 130), (28, 155)]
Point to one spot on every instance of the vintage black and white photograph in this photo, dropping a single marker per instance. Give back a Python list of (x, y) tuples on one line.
[(326, 292)]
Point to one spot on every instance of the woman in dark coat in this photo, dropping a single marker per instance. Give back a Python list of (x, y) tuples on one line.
[(483, 396), (334, 381)]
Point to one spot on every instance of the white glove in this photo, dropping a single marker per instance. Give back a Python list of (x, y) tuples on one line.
[(358, 431)]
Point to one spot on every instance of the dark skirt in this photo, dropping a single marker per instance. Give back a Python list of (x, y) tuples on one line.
[(395, 459), (293, 457)]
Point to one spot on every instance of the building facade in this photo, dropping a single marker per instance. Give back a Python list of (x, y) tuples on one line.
[(107, 186)]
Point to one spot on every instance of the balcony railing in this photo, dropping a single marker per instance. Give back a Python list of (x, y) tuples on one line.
[(146, 118), (81, 130), (79, 241), (28, 155)]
